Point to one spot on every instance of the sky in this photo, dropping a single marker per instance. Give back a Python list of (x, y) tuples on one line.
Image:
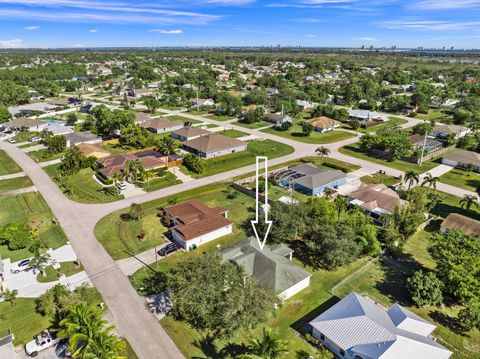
[(317, 23)]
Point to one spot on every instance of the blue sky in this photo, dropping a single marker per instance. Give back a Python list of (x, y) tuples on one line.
[(79, 23)]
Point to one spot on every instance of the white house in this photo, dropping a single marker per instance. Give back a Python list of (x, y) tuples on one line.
[(193, 223), (214, 145), (359, 328)]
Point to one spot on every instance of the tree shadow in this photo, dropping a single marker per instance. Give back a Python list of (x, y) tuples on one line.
[(230, 350), (298, 134), (447, 321), (473, 183), (302, 325)]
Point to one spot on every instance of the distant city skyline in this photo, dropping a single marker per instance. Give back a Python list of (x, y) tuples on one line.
[(309, 23)]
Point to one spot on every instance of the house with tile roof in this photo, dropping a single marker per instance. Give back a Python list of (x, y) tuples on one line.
[(270, 266), (323, 123), (193, 223), (160, 125), (188, 133), (308, 179), (462, 223), (109, 166), (92, 150), (214, 145), (359, 328)]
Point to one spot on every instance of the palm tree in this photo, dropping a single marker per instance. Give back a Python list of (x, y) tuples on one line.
[(167, 146), (117, 177), (37, 245), (269, 347), (89, 336), (134, 167), (430, 181), (342, 204), (148, 175), (411, 177), (468, 201), (10, 296), (322, 151), (40, 262)]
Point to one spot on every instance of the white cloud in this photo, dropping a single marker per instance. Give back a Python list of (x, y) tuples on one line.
[(31, 27), (434, 25), (78, 46), (446, 4), (168, 32), (365, 38), (93, 30), (11, 44)]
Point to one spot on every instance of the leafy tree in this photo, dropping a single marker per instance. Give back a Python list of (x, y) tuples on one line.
[(423, 128), (469, 317), (74, 160), (458, 263), (89, 335), (411, 177), (4, 114), (72, 118), (56, 144), (355, 124), (254, 115), (322, 151), (152, 104), (134, 168), (229, 104), (136, 211), (167, 146), (108, 122), (10, 296), (195, 163), (425, 288), (136, 136), (16, 236), (12, 94), (37, 246), (216, 297), (307, 128), (270, 346)]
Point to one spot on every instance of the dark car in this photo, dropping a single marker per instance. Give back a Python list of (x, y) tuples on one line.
[(169, 248)]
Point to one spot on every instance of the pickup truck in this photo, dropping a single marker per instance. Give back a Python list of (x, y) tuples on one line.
[(41, 342)]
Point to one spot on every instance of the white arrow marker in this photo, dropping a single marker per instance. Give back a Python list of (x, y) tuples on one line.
[(261, 242)]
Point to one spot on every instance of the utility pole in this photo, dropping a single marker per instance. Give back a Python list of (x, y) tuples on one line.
[(423, 148), (155, 246)]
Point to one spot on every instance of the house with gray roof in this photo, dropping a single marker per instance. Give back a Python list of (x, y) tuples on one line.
[(359, 328), (76, 138), (308, 179), (272, 266)]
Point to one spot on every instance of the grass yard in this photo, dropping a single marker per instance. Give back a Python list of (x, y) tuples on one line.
[(460, 178), (120, 237), (393, 121), (324, 163), (232, 133), (354, 150), (23, 136), (42, 155), (7, 165), (221, 117), (14, 183), (22, 320), (255, 148), (183, 119), (295, 133), (31, 209), (385, 282), (380, 178), (66, 268), (292, 316), (254, 125), (433, 115), (84, 188), (167, 180)]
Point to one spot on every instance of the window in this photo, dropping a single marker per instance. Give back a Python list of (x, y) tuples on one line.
[(342, 352), (322, 337)]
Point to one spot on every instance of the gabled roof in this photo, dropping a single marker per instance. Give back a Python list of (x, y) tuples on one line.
[(315, 177), (377, 196), (24, 122), (465, 224), (447, 129), (88, 149), (84, 136), (466, 157), (268, 266), (323, 122), (213, 142), (358, 325), (160, 123), (191, 131)]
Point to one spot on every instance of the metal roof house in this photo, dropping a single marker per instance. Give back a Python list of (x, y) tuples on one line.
[(359, 328), (272, 266), (308, 179)]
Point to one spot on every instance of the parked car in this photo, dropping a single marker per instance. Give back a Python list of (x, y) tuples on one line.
[(61, 349), (21, 266), (34, 139), (42, 341), (12, 141), (169, 248), (121, 186)]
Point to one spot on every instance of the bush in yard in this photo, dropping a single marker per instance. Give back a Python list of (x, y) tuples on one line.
[(469, 317), (425, 288), (195, 163), (355, 124), (16, 236), (307, 128)]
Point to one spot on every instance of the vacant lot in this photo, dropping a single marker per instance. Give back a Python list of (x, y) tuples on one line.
[(14, 183), (295, 133), (461, 178), (30, 209), (7, 165), (233, 133), (254, 125)]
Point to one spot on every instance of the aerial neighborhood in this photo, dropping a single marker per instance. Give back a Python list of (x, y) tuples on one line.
[(239, 203)]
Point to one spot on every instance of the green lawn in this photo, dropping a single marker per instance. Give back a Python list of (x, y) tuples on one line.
[(66, 268), (232, 133), (120, 236), (31, 209), (460, 178), (22, 320), (385, 282), (354, 150), (254, 125), (433, 115), (380, 178), (167, 180), (221, 117), (14, 183), (7, 165), (23, 136), (393, 121), (42, 155), (268, 148), (183, 119), (324, 163), (83, 187), (295, 133)]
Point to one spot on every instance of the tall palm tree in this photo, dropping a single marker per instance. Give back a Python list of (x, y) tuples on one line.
[(411, 177), (342, 204), (322, 151), (148, 175), (89, 336), (468, 201), (37, 245), (270, 346), (40, 262), (167, 146), (430, 181), (135, 168), (10, 296)]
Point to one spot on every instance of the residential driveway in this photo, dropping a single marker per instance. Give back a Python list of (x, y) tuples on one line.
[(439, 170), (180, 175), (132, 190), (45, 354), (130, 265), (18, 191), (12, 175), (49, 163)]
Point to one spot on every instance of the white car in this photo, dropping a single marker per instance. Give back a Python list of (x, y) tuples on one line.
[(12, 141), (21, 266), (121, 186), (41, 342)]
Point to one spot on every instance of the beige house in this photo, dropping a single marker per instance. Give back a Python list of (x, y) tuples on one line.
[(93, 150), (464, 224), (214, 145)]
